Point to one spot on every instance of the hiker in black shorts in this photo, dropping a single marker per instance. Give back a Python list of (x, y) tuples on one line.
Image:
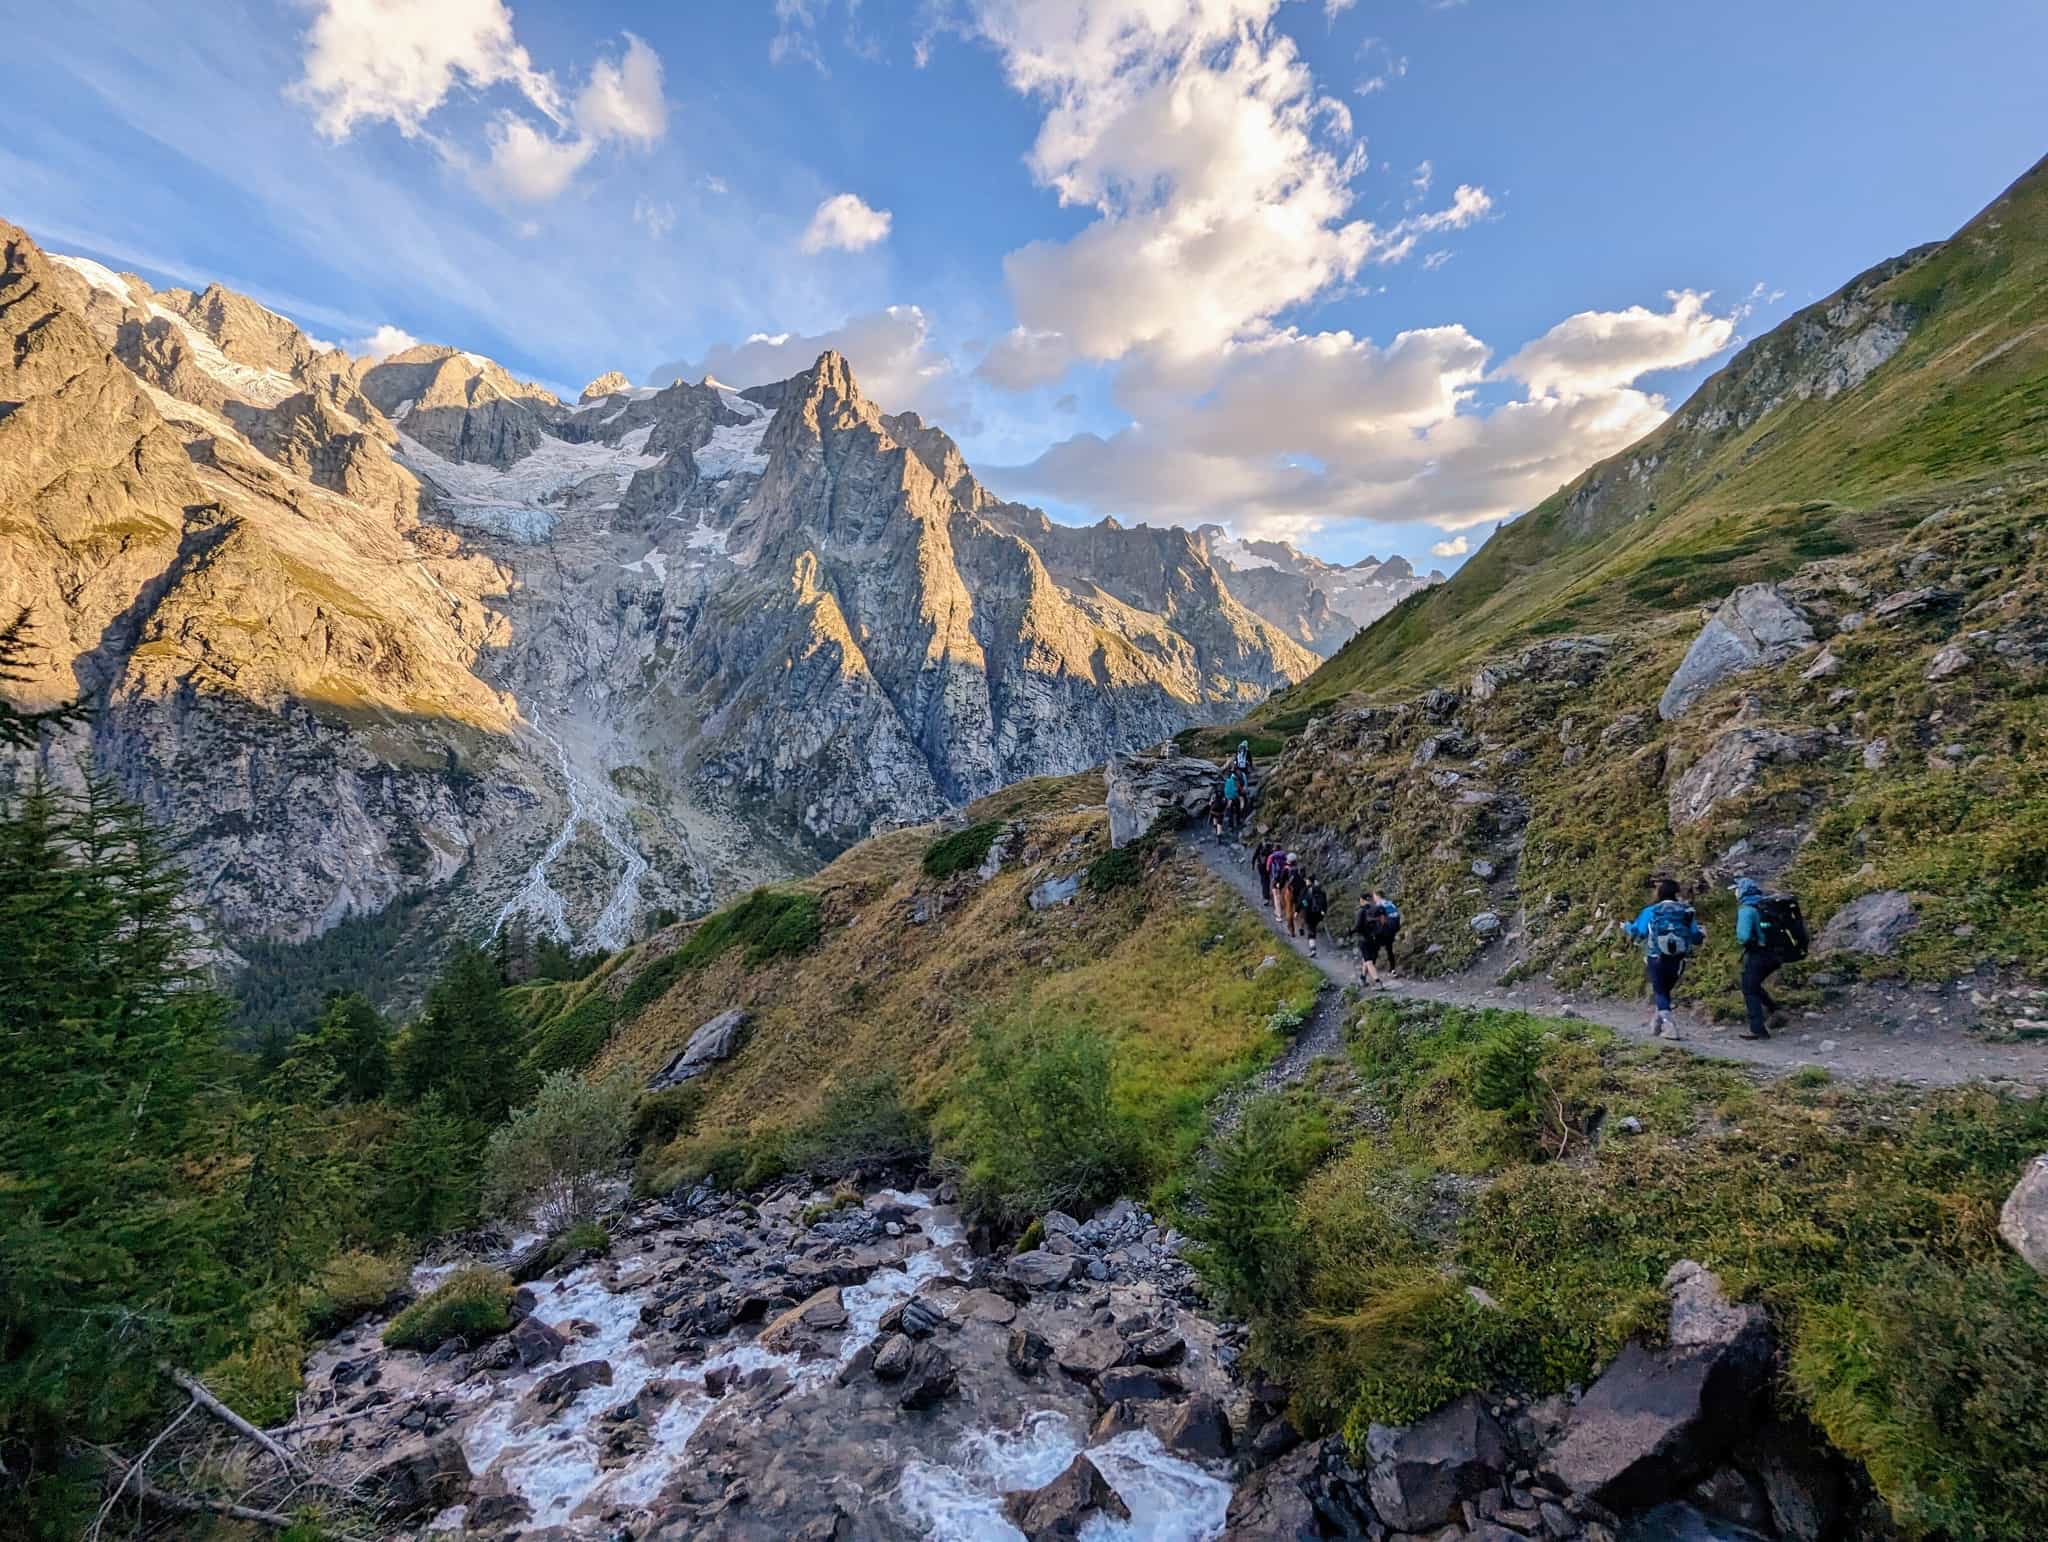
[(1375, 926)]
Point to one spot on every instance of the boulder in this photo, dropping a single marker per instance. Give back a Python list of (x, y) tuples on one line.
[(1198, 1430), (1949, 662), (823, 1312), (1656, 1420), (928, 1377), (563, 1386), (1273, 1504), (1088, 1352), (1870, 923), (1142, 785), (713, 1041), (892, 1358), (1422, 1472), (1162, 1346), (1058, 1511), (535, 1343), (1135, 1384), (1054, 891), (1755, 628), (1041, 1270), (1733, 764), (419, 1477), (2023, 1220), (1027, 1352)]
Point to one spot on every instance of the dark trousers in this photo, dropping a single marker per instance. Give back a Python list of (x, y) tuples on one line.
[(1664, 973), (1758, 967)]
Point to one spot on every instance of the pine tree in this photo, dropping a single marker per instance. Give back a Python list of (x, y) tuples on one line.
[(465, 1044), (112, 1061), (353, 1040)]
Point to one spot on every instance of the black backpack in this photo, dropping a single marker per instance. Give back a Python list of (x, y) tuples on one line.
[(1782, 928)]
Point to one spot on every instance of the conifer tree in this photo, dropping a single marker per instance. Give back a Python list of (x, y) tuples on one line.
[(19, 728), (464, 1043)]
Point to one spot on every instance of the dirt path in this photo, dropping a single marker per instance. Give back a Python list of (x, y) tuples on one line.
[(1834, 1037)]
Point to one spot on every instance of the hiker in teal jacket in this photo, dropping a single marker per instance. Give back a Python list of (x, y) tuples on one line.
[(1758, 962)]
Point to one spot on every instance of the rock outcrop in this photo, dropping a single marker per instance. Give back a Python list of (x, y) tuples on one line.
[(713, 1041), (1754, 628), (1874, 924), (2023, 1219), (1141, 787)]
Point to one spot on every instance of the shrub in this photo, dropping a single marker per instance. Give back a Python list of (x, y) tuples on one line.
[(261, 1380), (584, 1237), (863, 1123), (350, 1284), (553, 1156), (1242, 1215), (961, 851), (1288, 1017), (660, 1117), (1504, 1078), (470, 1304), (1115, 870), (1041, 1128)]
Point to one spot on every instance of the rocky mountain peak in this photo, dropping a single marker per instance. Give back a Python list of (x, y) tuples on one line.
[(610, 383)]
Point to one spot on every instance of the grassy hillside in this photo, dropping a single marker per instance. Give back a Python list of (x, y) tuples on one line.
[(1769, 465), (870, 980)]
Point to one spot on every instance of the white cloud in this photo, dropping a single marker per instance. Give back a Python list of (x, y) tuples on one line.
[(1292, 432), (844, 223), (623, 100), (526, 165), (1597, 351), (368, 61), (1424, 178), (1457, 546), (716, 186), (1332, 9), (658, 217), (891, 352), (383, 342)]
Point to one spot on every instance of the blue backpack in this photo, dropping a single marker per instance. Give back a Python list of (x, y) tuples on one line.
[(1393, 914), (1673, 925)]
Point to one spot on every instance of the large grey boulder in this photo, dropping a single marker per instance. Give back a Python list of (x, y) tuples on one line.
[(1755, 628), (713, 1041), (1657, 1419), (1421, 1472), (1142, 785), (1040, 1270), (1733, 764), (2023, 1221), (418, 1477), (1870, 923)]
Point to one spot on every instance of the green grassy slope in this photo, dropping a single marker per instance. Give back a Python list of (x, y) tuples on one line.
[(1751, 478)]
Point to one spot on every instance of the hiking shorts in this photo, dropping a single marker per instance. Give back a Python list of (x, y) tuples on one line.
[(1370, 944)]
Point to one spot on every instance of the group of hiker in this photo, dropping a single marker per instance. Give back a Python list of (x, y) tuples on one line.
[(1230, 800), (1768, 927)]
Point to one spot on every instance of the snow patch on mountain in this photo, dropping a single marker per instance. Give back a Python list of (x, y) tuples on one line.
[(522, 503)]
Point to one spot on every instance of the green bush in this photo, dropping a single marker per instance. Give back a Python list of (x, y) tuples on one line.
[(1504, 1078), (350, 1284), (1040, 1126), (863, 1124), (552, 1158), (1241, 1214), (660, 1117), (962, 851), (471, 1304), (1116, 869)]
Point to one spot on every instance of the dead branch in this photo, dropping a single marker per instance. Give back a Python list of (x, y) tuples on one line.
[(134, 1472), (230, 1418), (192, 1504)]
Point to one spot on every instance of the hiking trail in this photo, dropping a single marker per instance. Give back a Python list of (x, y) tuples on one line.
[(1837, 1036)]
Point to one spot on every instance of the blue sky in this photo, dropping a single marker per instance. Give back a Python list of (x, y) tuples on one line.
[(1371, 275)]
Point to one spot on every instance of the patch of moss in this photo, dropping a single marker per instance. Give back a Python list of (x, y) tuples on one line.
[(470, 1304), (962, 851)]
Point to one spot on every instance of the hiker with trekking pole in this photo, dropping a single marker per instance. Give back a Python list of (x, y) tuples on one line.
[(1670, 932)]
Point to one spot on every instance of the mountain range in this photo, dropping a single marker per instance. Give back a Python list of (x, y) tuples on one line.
[(364, 630)]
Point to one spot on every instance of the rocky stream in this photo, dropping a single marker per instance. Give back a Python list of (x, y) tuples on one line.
[(805, 1365)]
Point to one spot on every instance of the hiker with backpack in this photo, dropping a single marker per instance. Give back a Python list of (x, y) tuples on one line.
[(1297, 899), (1217, 808), (1261, 855), (1670, 931), (1243, 758), (1377, 923), (1283, 890), (1232, 792), (1772, 933), (1276, 871), (1313, 905)]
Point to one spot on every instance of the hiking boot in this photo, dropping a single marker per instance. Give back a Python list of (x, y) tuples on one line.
[(1754, 1037), (1671, 1029)]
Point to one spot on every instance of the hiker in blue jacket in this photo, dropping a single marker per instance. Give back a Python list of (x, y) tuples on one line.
[(1670, 932)]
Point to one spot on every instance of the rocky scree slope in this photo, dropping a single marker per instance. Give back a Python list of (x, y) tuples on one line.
[(364, 630), (1864, 727)]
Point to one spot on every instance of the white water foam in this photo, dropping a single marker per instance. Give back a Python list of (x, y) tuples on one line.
[(1170, 1500)]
